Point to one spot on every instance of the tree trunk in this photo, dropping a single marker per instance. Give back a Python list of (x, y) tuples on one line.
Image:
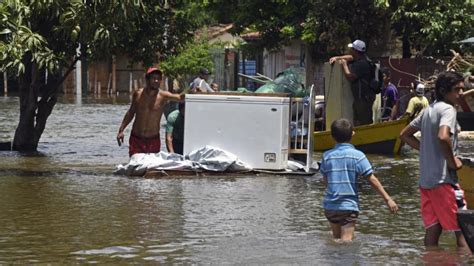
[(24, 135), (33, 112), (406, 44)]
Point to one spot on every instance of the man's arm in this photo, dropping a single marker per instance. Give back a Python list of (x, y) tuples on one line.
[(346, 57), (445, 142), (127, 119), (407, 135), (393, 115), (468, 93), (411, 106), (175, 97), (375, 183), (347, 73)]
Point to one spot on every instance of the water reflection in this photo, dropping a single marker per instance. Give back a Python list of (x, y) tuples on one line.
[(438, 256), (64, 205)]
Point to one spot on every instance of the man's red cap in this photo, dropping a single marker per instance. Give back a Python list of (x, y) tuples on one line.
[(152, 70)]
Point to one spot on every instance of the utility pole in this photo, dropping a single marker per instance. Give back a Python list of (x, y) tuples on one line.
[(78, 73)]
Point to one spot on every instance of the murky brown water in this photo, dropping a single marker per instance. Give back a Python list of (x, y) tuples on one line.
[(64, 205)]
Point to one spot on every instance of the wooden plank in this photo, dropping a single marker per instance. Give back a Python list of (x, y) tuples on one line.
[(297, 151)]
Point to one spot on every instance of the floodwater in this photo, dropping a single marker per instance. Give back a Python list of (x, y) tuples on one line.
[(65, 205)]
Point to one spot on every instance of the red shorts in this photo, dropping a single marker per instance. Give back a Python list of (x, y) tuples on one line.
[(438, 205), (143, 145)]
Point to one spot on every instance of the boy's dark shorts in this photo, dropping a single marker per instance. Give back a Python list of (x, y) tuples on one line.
[(341, 217)]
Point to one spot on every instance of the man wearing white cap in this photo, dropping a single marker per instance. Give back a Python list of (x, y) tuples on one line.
[(418, 102), (357, 70)]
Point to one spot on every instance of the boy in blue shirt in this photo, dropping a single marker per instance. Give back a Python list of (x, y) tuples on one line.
[(341, 167)]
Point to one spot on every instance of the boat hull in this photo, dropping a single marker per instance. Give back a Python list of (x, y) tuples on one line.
[(466, 217), (466, 181), (466, 222), (380, 138)]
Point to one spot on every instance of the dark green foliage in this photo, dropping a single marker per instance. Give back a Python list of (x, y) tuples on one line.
[(427, 27)]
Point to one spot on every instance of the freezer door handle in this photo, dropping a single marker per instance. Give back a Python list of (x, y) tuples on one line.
[(233, 98)]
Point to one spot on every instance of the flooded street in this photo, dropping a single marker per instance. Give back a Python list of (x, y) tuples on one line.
[(65, 205)]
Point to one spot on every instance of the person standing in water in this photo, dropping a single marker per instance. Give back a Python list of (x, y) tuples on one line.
[(147, 108), (341, 168), (175, 130), (441, 196)]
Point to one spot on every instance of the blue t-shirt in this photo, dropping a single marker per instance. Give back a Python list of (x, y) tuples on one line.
[(341, 166)]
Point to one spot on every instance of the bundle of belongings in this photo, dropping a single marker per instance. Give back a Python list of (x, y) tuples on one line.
[(207, 158), (204, 159)]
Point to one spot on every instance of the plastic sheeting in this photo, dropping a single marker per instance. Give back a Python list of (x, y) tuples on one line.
[(291, 81), (207, 158)]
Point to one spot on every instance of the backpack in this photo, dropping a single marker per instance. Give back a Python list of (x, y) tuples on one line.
[(376, 77)]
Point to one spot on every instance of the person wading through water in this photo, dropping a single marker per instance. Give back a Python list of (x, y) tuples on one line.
[(147, 108)]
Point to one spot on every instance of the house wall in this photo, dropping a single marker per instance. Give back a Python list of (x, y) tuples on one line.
[(314, 73), (293, 55), (99, 77), (297, 54)]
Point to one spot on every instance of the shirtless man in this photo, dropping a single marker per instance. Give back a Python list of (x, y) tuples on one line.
[(147, 108)]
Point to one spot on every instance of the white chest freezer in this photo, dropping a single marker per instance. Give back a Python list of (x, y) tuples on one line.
[(254, 128)]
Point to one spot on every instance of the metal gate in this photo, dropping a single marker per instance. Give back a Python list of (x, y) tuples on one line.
[(302, 128)]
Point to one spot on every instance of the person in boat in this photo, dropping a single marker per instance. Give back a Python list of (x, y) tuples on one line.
[(341, 168), (147, 108), (418, 102), (200, 82), (357, 70), (441, 195), (390, 100), (175, 130)]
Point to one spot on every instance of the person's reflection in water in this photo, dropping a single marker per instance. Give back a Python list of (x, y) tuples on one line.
[(438, 256)]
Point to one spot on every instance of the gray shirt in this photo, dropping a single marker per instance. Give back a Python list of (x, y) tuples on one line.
[(201, 83), (433, 166)]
